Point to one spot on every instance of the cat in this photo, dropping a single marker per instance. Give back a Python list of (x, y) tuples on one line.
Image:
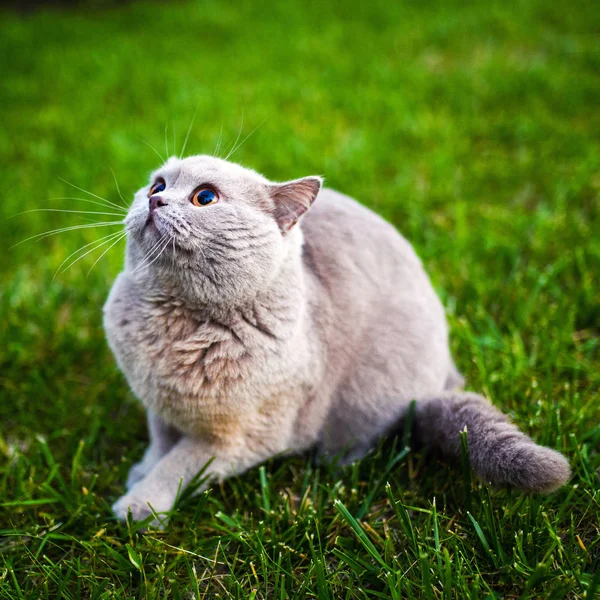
[(250, 326)]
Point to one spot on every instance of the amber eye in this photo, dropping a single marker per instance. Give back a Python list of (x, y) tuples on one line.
[(159, 186), (204, 197)]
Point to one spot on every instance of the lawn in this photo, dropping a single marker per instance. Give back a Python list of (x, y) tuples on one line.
[(473, 127)]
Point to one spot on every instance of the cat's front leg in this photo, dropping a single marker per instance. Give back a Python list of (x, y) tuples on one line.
[(159, 489), (162, 438)]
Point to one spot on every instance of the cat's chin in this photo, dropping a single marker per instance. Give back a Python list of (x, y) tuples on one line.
[(150, 228), (151, 234), (156, 231)]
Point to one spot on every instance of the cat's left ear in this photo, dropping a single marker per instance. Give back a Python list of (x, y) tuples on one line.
[(293, 198)]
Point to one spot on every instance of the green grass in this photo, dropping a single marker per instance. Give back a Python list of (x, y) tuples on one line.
[(474, 127)]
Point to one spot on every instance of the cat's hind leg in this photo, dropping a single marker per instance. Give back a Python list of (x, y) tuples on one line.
[(499, 452), (162, 438)]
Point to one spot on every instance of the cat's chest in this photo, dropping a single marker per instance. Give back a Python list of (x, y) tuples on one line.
[(203, 374), (171, 349)]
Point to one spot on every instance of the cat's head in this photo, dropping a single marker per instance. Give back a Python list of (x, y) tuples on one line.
[(218, 229)]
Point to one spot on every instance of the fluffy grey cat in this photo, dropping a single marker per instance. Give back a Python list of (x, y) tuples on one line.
[(246, 333)]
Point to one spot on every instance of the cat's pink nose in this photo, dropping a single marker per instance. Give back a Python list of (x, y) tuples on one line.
[(155, 202)]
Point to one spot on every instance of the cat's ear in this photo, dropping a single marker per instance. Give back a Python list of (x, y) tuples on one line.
[(293, 198)]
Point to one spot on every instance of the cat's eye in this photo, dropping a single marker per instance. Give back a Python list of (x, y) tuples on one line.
[(158, 186), (204, 197)]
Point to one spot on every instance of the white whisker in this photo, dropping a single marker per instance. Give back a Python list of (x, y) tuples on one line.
[(90, 193), (124, 234), (147, 255), (174, 140), (83, 212), (119, 189), (162, 160), (145, 262), (159, 250), (201, 251), (96, 243), (160, 253), (218, 147), (166, 140), (187, 135), (87, 219), (236, 148), (89, 202), (238, 136), (153, 247), (64, 229)]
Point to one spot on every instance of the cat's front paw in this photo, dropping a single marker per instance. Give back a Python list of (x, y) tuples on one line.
[(140, 509), (125, 504)]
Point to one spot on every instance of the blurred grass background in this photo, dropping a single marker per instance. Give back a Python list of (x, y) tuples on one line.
[(474, 127)]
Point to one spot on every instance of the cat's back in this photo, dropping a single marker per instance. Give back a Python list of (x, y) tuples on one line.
[(350, 245), (381, 306)]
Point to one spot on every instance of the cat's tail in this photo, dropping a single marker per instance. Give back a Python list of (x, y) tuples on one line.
[(498, 451)]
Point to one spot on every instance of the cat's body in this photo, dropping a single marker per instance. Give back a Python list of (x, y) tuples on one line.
[(251, 337)]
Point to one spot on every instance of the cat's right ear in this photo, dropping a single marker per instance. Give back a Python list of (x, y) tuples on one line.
[(292, 199)]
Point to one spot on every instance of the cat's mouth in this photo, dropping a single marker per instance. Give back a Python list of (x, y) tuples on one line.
[(149, 221), (151, 226), (151, 230)]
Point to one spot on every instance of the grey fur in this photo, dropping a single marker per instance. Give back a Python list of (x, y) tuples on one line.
[(245, 335)]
